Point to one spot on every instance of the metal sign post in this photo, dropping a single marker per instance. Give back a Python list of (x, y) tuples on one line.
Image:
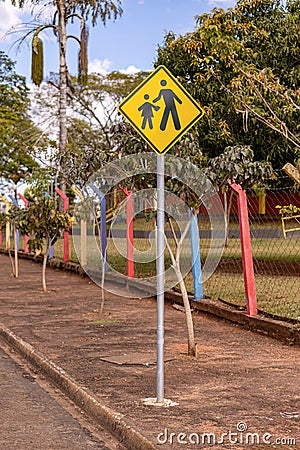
[(160, 268), (161, 111)]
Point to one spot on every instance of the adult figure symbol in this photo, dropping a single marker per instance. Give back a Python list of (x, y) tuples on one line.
[(169, 98)]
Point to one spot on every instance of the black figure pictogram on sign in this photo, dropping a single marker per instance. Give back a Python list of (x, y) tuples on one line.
[(147, 112), (170, 106)]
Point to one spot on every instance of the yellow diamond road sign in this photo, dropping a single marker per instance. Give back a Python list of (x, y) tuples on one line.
[(161, 110)]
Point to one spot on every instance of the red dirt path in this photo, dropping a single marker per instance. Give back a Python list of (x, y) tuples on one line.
[(238, 376)]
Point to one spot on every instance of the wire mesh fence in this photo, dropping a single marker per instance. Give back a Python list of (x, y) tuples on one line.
[(275, 237), (276, 254)]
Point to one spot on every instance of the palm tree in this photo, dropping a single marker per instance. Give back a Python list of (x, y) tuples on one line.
[(65, 11)]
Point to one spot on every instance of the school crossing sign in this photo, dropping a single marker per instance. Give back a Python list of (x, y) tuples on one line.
[(161, 110)]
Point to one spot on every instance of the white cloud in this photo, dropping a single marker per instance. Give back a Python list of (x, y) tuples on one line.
[(9, 16), (97, 66), (12, 17), (221, 2), (102, 67), (131, 70)]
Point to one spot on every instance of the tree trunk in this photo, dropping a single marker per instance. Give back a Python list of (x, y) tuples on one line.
[(226, 217), (11, 262), (16, 253), (192, 350), (61, 7), (44, 268)]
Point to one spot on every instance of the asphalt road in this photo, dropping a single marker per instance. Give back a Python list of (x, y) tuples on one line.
[(35, 416)]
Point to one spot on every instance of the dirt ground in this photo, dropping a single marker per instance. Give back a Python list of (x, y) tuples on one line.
[(243, 388)]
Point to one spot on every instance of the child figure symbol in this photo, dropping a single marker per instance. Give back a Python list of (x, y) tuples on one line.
[(147, 112)]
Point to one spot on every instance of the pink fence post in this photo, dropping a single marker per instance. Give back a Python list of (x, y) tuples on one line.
[(129, 228), (247, 258), (66, 233), (130, 244), (26, 238)]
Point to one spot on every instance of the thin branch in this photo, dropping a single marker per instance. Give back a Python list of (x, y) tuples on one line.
[(71, 36), (186, 230), (36, 28), (284, 95), (174, 264), (258, 93), (173, 231), (69, 16), (80, 98), (283, 129)]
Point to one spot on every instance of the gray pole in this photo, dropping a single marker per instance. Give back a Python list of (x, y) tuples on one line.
[(160, 270)]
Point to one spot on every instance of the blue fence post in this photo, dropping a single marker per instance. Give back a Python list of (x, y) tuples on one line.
[(51, 252), (103, 230), (196, 260), (15, 201), (51, 249), (103, 227)]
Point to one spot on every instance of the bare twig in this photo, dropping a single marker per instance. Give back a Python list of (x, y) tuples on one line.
[(281, 128)]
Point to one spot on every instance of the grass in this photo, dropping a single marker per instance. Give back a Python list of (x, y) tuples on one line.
[(276, 294), (103, 321), (277, 249)]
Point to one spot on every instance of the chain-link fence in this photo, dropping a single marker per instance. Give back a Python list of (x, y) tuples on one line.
[(274, 218), (275, 239)]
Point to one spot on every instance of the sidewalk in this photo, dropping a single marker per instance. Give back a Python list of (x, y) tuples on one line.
[(240, 379)]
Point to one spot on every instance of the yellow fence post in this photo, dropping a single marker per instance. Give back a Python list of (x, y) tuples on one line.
[(7, 229), (262, 204)]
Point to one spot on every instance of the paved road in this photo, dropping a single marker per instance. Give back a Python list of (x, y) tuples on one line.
[(34, 419)]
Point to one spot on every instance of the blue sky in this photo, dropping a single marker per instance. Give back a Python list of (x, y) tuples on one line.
[(127, 44)]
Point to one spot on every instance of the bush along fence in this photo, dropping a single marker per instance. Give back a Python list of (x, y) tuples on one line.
[(40, 221), (260, 263)]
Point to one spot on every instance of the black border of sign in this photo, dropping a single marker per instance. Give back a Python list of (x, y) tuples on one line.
[(201, 111)]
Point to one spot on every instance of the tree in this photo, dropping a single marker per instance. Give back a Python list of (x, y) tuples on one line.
[(93, 119), (42, 222), (92, 140), (96, 132), (64, 12), (175, 259), (10, 219), (19, 137), (249, 97), (236, 165)]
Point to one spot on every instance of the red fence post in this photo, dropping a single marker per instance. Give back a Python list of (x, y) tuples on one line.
[(247, 258), (66, 233), (130, 244), (26, 238)]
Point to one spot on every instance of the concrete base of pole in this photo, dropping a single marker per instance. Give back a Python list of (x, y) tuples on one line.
[(165, 403)]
